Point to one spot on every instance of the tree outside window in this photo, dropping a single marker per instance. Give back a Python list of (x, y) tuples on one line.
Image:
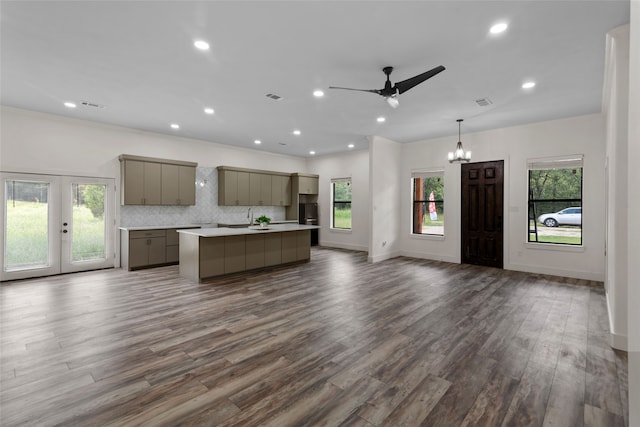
[(555, 201), (341, 203), (428, 203)]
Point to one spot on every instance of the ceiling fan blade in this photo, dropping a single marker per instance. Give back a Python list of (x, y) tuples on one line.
[(405, 85), (359, 90)]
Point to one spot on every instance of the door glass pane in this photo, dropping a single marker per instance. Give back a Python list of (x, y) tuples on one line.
[(27, 227), (88, 239)]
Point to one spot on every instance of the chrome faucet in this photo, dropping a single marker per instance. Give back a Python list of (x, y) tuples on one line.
[(250, 216)]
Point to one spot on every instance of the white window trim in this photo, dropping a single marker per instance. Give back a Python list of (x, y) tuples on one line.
[(331, 227), (424, 173), (554, 162)]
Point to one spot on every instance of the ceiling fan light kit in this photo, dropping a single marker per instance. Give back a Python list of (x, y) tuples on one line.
[(459, 155), (390, 93)]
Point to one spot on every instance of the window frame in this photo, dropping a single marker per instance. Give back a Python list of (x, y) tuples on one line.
[(426, 173), (558, 162), (342, 202)]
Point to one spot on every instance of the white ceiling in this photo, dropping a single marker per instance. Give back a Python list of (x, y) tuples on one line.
[(138, 61)]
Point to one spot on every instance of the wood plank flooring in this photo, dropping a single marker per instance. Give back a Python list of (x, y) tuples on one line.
[(335, 342)]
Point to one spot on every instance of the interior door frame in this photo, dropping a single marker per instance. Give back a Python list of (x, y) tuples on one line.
[(59, 201)]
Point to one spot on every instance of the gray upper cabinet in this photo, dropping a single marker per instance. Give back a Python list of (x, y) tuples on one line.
[(248, 187), (260, 189), (141, 183), (280, 190), (150, 181), (307, 184), (178, 185), (233, 188)]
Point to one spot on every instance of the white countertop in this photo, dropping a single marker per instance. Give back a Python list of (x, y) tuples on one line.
[(165, 227), (236, 224), (225, 231)]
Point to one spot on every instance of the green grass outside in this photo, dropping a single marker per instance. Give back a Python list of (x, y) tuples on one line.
[(27, 234), (567, 240), (342, 218), (437, 223), (562, 239)]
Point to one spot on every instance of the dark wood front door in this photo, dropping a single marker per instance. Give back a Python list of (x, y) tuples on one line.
[(482, 213)]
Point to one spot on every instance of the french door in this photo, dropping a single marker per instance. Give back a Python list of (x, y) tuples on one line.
[(55, 224)]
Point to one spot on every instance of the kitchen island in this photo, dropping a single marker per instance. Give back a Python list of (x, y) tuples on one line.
[(211, 252)]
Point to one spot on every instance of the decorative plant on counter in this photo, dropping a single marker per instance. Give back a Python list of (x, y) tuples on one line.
[(263, 221)]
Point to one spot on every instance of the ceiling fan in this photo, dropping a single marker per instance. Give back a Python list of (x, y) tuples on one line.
[(390, 93)]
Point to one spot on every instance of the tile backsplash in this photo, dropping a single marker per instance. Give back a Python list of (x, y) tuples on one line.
[(205, 211)]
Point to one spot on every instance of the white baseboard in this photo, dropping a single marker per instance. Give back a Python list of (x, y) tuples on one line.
[(584, 275), (617, 341), (383, 257), (430, 256), (344, 246)]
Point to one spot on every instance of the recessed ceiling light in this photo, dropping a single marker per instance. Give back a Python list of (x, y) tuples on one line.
[(201, 44), (350, 145), (528, 85), (318, 93), (380, 119), (175, 126), (257, 142), (70, 105), (312, 152), (208, 110), (498, 28), (296, 132)]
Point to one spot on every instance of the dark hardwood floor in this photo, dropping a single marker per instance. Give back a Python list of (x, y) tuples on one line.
[(336, 341)]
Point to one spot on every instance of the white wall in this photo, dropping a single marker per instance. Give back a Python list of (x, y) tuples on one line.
[(633, 225), (42, 143), (32, 142), (616, 106), (354, 165), (385, 187), (578, 135)]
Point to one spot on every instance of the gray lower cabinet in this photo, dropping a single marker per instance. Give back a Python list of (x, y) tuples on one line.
[(272, 249), (173, 246), (303, 244), (234, 254), (254, 244), (211, 255), (289, 247), (149, 248), (202, 257)]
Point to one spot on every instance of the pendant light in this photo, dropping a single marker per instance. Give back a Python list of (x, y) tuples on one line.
[(459, 155)]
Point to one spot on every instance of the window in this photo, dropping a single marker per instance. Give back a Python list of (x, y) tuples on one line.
[(555, 200), (428, 202), (341, 203)]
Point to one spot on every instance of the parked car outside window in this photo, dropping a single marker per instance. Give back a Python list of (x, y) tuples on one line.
[(568, 216)]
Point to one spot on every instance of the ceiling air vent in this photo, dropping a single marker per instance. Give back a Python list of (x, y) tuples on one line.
[(483, 102), (91, 104), (273, 96)]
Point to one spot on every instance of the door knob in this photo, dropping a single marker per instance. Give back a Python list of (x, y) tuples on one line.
[(65, 231)]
